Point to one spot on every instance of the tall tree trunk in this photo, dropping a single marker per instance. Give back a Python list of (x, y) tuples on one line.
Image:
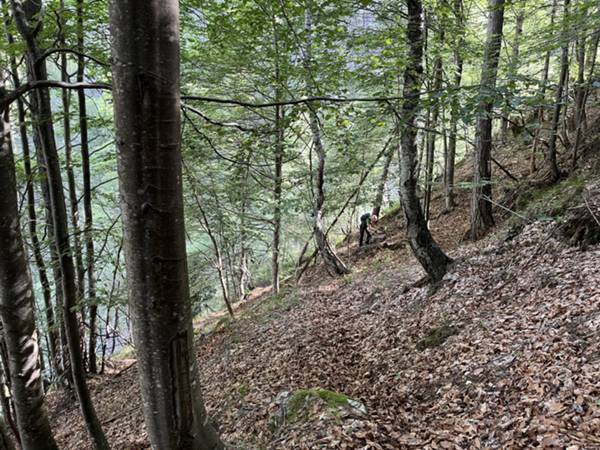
[(243, 271), (481, 206), (584, 91), (512, 72), (53, 338), (279, 152), (277, 190), (551, 158), (331, 259), (591, 63), (454, 112), (432, 135), (382, 181), (580, 94), (65, 374), (28, 20), (146, 60), (428, 253), (541, 109), (90, 268), (73, 200), (16, 309), (216, 248)]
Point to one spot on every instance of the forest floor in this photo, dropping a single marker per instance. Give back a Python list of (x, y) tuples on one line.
[(503, 354)]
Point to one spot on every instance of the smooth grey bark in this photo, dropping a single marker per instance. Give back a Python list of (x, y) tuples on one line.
[(432, 135), (584, 91), (541, 109), (88, 237), (450, 162), (27, 15), (216, 249), (53, 337), (277, 191), (73, 200), (146, 63), (278, 176), (551, 158), (426, 250), (243, 272), (17, 310), (512, 70), (481, 206), (331, 259), (580, 94), (377, 204)]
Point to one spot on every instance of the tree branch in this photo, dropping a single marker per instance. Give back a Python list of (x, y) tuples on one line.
[(51, 52), (8, 97), (308, 100)]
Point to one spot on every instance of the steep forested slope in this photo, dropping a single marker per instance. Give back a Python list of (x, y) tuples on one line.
[(501, 354)]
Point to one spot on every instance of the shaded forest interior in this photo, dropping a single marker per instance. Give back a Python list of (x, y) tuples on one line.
[(186, 186)]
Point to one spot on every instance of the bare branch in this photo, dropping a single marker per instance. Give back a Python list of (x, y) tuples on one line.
[(51, 52), (8, 97)]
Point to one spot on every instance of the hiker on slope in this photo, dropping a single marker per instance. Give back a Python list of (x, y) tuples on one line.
[(366, 221)]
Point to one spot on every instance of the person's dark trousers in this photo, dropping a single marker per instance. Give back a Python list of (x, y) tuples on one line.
[(364, 230)]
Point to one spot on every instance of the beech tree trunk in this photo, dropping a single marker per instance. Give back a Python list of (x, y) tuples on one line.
[(17, 310), (382, 181), (243, 272), (331, 259), (277, 190), (541, 109), (551, 158), (584, 91), (73, 200), (278, 179), (90, 257), (432, 135), (53, 337), (481, 206), (512, 72), (580, 94), (428, 253), (454, 113), (216, 249), (146, 60), (27, 16)]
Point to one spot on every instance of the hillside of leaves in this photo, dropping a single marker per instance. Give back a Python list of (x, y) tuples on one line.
[(503, 353)]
